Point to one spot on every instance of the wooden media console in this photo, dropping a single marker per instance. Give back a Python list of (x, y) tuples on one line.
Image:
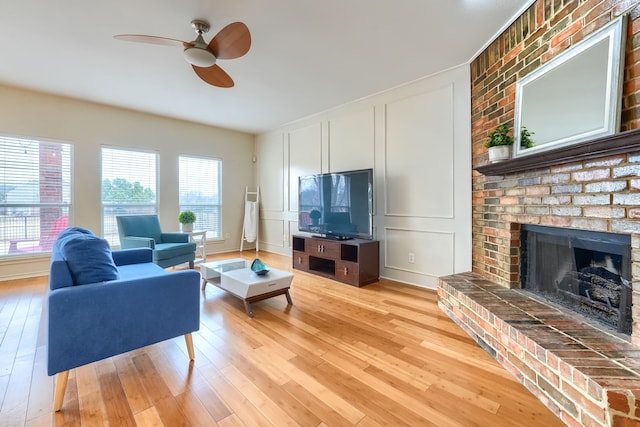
[(355, 262)]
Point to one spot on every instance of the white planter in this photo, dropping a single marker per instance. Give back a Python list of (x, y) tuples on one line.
[(499, 153), (187, 228)]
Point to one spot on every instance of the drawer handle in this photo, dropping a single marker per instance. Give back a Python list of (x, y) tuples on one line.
[(346, 270)]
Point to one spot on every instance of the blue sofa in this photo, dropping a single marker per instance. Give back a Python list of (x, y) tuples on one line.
[(143, 231), (103, 303)]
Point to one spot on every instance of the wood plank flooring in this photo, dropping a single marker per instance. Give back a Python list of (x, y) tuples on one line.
[(381, 355)]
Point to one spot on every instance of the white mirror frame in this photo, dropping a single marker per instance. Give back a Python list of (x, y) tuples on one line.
[(562, 104)]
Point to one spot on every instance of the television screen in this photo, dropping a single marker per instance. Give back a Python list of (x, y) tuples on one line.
[(338, 205)]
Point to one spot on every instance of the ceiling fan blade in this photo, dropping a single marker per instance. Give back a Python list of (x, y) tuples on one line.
[(231, 42), (139, 38), (214, 75)]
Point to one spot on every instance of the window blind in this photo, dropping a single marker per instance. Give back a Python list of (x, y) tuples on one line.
[(200, 192), (35, 194), (129, 186)]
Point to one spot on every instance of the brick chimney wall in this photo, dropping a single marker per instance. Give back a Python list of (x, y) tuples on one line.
[(601, 194)]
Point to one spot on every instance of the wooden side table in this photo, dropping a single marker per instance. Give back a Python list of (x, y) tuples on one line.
[(200, 239)]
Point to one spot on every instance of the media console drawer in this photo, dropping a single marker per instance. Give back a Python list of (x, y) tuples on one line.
[(300, 260), (347, 271), (355, 262), (325, 248)]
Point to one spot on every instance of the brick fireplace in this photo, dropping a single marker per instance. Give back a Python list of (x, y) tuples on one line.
[(584, 373)]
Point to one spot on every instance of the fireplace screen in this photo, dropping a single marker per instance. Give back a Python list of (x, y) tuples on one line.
[(588, 272)]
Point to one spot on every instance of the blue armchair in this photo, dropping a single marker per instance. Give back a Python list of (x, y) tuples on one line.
[(103, 303), (143, 231)]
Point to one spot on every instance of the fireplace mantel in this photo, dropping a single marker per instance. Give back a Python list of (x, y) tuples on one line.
[(619, 143)]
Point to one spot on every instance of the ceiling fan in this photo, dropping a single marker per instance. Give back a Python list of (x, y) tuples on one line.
[(233, 41)]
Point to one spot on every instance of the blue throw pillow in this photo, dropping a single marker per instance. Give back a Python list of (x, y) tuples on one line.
[(69, 233), (88, 256)]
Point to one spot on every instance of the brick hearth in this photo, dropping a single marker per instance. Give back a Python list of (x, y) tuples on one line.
[(583, 374)]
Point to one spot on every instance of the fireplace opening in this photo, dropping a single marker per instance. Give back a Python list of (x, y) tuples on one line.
[(586, 271)]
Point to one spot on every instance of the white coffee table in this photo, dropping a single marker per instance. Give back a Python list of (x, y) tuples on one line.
[(232, 276), (248, 286)]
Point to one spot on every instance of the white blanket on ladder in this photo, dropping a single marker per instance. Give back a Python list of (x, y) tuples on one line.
[(250, 220)]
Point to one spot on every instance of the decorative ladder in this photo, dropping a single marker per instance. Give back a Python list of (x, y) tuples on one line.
[(250, 197)]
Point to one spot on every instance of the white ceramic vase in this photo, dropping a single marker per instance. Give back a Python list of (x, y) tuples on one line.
[(187, 228)]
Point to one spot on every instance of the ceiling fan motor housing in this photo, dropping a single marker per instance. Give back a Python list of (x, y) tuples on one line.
[(201, 26)]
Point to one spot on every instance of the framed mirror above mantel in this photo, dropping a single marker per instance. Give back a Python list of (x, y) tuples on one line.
[(610, 145), (576, 96)]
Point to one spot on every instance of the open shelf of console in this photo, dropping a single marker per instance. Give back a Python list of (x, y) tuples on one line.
[(355, 262)]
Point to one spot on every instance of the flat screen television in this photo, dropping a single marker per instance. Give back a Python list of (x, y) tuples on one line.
[(337, 205)]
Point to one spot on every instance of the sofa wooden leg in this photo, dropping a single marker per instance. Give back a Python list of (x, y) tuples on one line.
[(189, 340), (60, 388), (192, 265)]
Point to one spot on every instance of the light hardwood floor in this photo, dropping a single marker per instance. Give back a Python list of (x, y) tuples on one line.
[(380, 355)]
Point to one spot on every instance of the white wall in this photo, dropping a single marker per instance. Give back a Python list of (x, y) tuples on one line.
[(88, 126), (418, 140)]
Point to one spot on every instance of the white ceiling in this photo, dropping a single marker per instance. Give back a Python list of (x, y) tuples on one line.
[(306, 56)]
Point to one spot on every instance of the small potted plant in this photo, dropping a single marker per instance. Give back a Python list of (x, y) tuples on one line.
[(499, 144), (315, 216), (187, 218), (525, 138)]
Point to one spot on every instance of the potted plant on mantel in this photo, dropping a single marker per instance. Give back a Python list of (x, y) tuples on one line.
[(499, 144), (187, 218)]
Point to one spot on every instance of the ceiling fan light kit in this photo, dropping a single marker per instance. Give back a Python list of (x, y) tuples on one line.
[(199, 57), (233, 41), (198, 53)]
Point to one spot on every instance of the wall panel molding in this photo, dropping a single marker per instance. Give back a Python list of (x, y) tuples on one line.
[(419, 155)]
